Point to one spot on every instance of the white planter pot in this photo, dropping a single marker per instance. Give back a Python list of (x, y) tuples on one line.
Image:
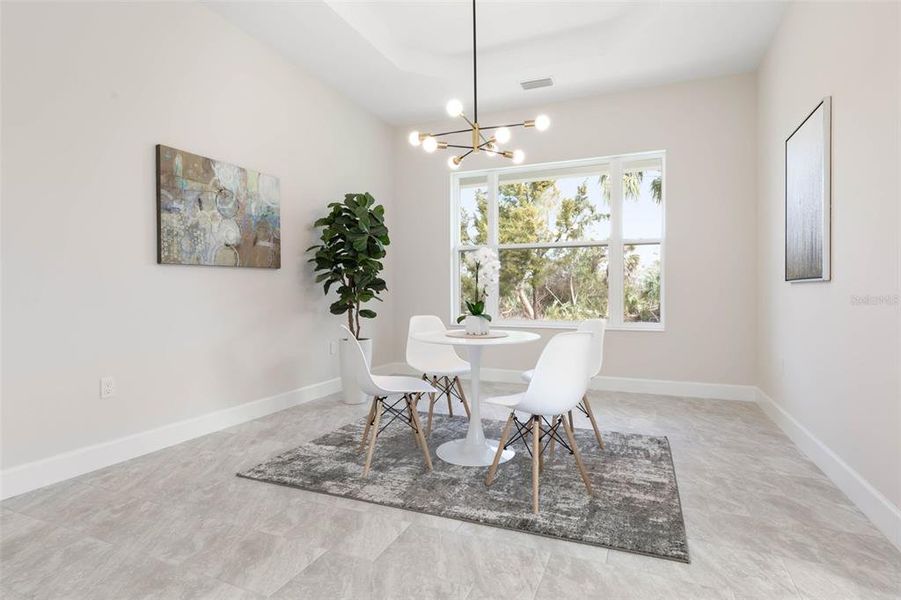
[(352, 393), (476, 325)]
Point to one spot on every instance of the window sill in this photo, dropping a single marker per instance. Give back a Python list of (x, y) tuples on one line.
[(653, 327)]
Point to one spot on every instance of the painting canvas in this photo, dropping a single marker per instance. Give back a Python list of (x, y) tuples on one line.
[(214, 213), (807, 197)]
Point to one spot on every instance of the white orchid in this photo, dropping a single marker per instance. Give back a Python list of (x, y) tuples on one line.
[(486, 268)]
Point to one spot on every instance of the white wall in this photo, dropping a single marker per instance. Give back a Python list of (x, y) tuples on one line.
[(831, 364), (708, 129), (88, 90)]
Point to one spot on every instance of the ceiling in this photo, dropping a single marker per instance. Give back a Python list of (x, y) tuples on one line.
[(404, 60)]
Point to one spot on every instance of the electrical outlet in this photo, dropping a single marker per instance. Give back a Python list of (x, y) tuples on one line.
[(107, 387), (333, 348)]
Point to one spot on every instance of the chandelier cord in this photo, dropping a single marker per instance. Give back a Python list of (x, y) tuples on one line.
[(475, 76)]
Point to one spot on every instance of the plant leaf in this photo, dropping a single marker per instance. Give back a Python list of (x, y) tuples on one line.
[(339, 307), (354, 237)]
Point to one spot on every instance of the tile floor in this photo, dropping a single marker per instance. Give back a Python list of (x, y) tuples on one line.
[(763, 522)]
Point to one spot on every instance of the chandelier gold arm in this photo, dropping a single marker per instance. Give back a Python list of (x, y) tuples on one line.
[(479, 141)]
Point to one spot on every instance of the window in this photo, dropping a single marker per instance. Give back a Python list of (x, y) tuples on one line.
[(576, 240)]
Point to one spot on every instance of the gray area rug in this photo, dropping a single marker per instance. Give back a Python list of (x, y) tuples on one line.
[(635, 508)]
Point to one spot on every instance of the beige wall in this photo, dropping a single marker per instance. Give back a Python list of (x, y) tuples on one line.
[(88, 90), (830, 363), (708, 129)]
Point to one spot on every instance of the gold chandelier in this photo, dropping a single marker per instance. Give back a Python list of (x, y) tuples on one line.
[(481, 138)]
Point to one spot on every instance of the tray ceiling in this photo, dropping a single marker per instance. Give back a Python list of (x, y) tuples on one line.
[(404, 60)]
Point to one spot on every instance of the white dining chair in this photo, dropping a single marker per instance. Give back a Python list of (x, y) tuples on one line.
[(596, 327), (388, 391), (438, 363), (558, 383)]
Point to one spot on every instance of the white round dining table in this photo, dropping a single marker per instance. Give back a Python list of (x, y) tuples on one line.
[(474, 450)]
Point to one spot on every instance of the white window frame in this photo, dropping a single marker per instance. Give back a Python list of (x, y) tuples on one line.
[(615, 243)]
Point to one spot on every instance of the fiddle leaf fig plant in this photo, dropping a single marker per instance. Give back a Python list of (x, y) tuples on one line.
[(353, 239)]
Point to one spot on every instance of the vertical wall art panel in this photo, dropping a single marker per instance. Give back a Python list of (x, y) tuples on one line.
[(808, 197), (214, 213)]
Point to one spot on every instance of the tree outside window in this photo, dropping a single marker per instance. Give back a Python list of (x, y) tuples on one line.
[(555, 240)]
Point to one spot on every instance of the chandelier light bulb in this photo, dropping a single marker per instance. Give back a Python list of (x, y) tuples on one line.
[(495, 143), (430, 144), (454, 108)]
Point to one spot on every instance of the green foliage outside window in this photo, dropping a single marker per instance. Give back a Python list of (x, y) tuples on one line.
[(641, 284), (562, 283)]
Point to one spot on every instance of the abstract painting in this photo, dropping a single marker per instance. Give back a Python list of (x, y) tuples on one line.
[(214, 213), (808, 200)]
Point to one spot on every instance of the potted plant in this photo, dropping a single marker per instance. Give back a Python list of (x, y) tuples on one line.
[(353, 239), (485, 265)]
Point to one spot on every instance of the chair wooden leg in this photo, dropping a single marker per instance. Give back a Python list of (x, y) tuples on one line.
[(411, 409), (368, 425), (447, 392), (433, 398), (536, 454), (375, 434), (572, 442), (571, 425), (594, 424), (505, 433), (462, 396), (540, 449), (417, 427)]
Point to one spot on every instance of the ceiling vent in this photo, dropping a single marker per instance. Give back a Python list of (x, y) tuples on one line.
[(536, 83)]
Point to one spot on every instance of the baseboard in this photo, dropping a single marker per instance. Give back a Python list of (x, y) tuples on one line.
[(879, 509), (37, 474), (688, 389), (693, 389), (884, 515), (30, 476), (395, 368)]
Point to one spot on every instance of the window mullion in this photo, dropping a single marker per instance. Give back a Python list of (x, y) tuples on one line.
[(615, 250), (455, 244), (566, 244), (641, 241), (493, 294)]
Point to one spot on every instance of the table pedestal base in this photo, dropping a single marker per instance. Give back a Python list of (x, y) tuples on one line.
[(459, 452)]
